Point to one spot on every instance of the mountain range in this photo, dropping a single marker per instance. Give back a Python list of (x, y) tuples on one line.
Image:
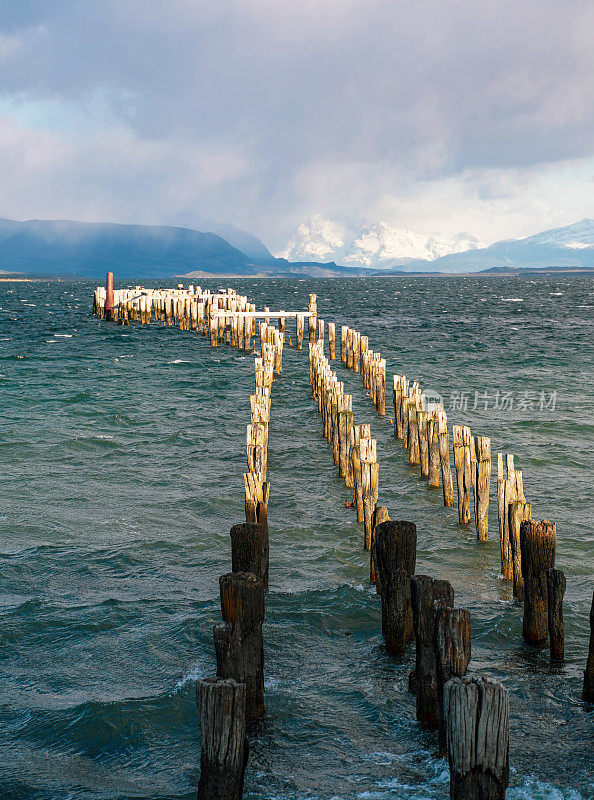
[(319, 248), (378, 246)]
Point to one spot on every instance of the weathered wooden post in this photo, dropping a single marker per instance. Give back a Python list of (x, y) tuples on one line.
[(433, 444), (444, 457), (519, 512), (413, 433), (396, 399), (369, 484), (424, 592), (356, 460), (537, 542), (343, 343), (588, 688), (238, 640), (395, 558), (249, 550), (299, 331), (483, 481), (224, 746), (556, 590), (356, 351), (452, 653), (380, 390), (109, 307), (332, 340), (379, 515), (423, 442), (345, 422), (476, 714), (506, 495), (313, 311), (256, 499), (461, 442)]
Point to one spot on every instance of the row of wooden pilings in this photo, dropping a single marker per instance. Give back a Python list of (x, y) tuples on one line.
[(236, 695), (470, 714), (423, 430), (463, 710)]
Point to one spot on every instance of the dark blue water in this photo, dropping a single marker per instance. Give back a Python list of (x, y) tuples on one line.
[(122, 452)]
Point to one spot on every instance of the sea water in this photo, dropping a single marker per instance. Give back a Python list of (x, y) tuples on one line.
[(122, 451)]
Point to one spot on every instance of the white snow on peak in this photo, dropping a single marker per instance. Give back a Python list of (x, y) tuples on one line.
[(377, 245), (577, 236), (316, 240)]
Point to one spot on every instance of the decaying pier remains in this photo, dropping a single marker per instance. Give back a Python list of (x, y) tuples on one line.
[(466, 712)]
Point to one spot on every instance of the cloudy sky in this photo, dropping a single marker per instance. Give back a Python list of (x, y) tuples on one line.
[(467, 115)]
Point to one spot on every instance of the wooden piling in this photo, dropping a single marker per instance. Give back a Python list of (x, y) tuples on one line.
[(413, 432), (224, 746), (433, 445), (476, 714), (313, 310), (345, 422), (332, 340), (452, 653), (424, 592), (379, 515), (537, 542), (343, 343), (369, 485), (109, 303), (238, 641), (356, 462), (299, 331), (395, 553), (482, 484), (356, 351), (461, 441), (588, 687), (444, 457), (249, 550), (256, 499), (556, 590), (423, 442), (518, 512)]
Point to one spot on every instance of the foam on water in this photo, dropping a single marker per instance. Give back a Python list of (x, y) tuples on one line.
[(121, 477)]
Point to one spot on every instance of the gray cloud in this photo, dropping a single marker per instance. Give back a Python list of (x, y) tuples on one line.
[(284, 96)]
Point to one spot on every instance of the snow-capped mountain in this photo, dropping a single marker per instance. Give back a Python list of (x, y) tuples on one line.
[(319, 239), (378, 246), (576, 236), (384, 245)]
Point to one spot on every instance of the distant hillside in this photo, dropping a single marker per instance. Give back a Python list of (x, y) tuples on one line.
[(91, 249), (569, 246)]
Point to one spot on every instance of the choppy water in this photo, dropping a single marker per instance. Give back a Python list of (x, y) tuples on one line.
[(122, 452)]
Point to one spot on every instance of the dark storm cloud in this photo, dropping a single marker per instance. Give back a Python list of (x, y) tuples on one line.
[(428, 88)]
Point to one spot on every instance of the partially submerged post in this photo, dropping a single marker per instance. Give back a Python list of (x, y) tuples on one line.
[(369, 484), (483, 481), (452, 653), (588, 689), (395, 553), (224, 746), (332, 340), (433, 443), (379, 515), (249, 550), (476, 714), (238, 640), (461, 441), (109, 307), (444, 456), (556, 590), (537, 541), (424, 592)]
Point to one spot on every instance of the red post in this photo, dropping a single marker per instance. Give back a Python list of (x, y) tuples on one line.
[(109, 296)]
